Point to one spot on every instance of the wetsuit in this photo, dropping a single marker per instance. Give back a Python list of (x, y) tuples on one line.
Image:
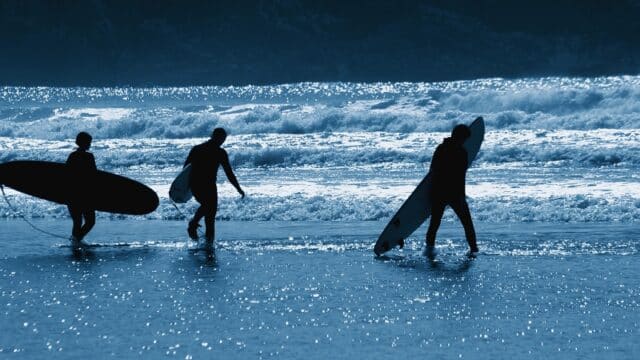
[(448, 171), (82, 166), (205, 159)]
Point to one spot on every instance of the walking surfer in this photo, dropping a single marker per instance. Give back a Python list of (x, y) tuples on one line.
[(205, 159), (448, 170), (82, 166)]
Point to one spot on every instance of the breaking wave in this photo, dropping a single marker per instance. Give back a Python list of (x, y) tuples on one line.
[(305, 108)]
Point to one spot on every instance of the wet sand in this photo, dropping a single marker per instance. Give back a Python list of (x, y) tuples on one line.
[(315, 289)]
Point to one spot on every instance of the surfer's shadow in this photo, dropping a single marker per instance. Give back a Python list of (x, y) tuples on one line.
[(442, 267), (204, 258), (458, 267), (83, 255), (95, 254)]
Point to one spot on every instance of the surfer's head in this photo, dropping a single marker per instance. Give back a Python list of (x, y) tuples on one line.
[(83, 140), (218, 136), (460, 133)]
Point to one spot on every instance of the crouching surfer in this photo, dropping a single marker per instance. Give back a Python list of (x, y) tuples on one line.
[(205, 159), (448, 170), (82, 166)]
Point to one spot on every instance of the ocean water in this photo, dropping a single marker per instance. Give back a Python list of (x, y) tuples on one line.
[(315, 290), (554, 193), (568, 148)]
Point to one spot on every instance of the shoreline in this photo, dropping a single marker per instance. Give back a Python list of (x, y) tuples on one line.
[(294, 289)]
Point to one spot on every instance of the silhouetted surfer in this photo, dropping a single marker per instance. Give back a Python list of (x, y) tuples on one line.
[(448, 169), (205, 160), (82, 165)]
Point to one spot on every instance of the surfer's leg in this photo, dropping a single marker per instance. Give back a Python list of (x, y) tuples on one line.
[(194, 223), (201, 197), (210, 219), (192, 229), (437, 210), (210, 228), (76, 217), (200, 213), (461, 208), (89, 222)]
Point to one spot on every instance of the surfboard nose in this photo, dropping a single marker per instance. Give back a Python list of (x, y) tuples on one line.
[(152, 203)]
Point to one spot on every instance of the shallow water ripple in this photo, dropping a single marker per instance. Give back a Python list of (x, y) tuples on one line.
[(315, 299)]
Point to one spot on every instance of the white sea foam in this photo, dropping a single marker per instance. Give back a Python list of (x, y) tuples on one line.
[(299, 206), (556, 149), (593, 148), (548, 103)]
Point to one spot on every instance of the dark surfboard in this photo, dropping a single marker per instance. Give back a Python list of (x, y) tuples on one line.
[(103, 191)]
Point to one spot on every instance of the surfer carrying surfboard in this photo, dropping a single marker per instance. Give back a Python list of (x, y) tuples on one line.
[(448, 170), (81, 165), (205, 159), (449, 162)]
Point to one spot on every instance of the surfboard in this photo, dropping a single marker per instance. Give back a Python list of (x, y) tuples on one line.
[(104, 191), (417, 209), (180, 191)]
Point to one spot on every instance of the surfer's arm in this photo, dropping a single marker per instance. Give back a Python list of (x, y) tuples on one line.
[(229, 172), (436, 160), (70, 159), (92, 163), (189, 159), (464, 160)]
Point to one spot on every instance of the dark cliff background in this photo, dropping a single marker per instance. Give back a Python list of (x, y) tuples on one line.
[(141, 43)]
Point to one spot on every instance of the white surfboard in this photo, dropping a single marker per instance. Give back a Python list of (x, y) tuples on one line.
[(416, 209), (180, 191)]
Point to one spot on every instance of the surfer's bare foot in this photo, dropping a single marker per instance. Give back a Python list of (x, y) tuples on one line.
[(208, 242), (430, 252), (192, 230), (210, 250), (76, 242), (472, 254)]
